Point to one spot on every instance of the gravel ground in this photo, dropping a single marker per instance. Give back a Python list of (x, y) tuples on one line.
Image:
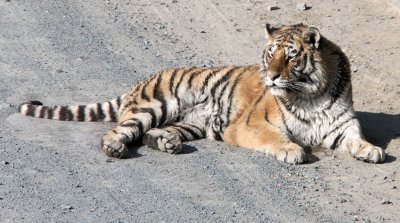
[(70, 52)]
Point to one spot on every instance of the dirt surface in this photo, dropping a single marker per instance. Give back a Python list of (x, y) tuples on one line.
[(70, 52)]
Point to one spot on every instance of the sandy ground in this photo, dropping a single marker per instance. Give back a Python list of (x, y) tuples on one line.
[(69, 52)]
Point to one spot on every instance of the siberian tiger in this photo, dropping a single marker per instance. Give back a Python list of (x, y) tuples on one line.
[(299, 97)]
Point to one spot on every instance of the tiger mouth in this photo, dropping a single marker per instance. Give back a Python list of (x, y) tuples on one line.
[(275, 86)]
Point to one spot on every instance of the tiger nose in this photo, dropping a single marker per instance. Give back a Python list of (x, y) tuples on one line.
[(274, 75)]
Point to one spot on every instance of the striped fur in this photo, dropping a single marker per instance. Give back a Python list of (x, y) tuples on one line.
[(299, 97)]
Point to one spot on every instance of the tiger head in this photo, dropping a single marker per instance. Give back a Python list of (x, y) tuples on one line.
[(291, 60)]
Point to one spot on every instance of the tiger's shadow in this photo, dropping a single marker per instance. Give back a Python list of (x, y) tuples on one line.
[(136, 145), (380, 129)]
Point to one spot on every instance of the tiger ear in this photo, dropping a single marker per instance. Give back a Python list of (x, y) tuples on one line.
[(312, 36), (269, 29)]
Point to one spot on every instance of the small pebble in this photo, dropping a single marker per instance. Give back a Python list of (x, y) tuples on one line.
[(385, 201), (66, 207), (301, 6), (6, 162), (273, 8)]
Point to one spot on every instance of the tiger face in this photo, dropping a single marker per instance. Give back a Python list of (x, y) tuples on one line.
[(291, 60)]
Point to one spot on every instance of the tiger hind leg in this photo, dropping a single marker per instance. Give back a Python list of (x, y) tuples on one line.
[(169, 138)]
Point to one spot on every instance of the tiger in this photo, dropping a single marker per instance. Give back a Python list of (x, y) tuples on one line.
[(298, 98)]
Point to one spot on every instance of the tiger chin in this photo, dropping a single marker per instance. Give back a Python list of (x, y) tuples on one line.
[(300, 96)]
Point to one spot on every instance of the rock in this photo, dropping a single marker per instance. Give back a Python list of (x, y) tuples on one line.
[(301, 6), (66, 207), (273, 8), (6, 162), (58, 71), (386, 201)]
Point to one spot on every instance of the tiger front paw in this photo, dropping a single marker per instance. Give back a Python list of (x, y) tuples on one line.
[(291, 153), (114, 148), (367, 152)]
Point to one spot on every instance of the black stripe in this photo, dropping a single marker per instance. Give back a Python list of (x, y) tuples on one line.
[(289, 108), (177, 88), (220, 106), (158, 95), (192, 76), (62, 113), (223, 79), (143, 94), (50, 113), (183, 136), (254, 106), (132, 101), (65, 114), (92, 115), (171, 80), (139, 125), (198, 128), (29, 110), (118, 101), (336, 118), (180, 80), (150, 111), (231, 94), (217, 136), (81, 113), (42, 111), (100, 113), (220, 97), (70, 115), (337, 127), (283, 118), (207, 79), (266, 116), (336, 140), (112, 112), (189, 130)]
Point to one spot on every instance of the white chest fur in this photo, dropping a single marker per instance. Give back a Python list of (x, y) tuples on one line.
[(309, 124)]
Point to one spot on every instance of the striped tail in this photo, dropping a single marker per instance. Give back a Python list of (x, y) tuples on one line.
[(97, 112)]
